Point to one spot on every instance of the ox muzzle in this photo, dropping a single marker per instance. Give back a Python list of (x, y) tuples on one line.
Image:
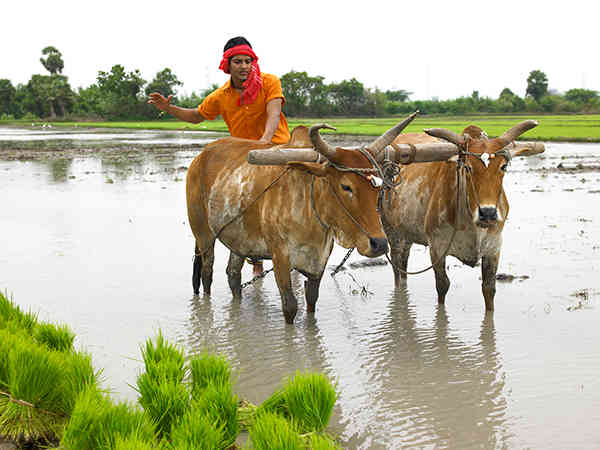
[(378, 246), (487, 216)]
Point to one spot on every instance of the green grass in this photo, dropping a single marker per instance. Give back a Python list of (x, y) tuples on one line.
[(97, 423), (273, 432), (220, 405), (41, 376), (50, 393), (307, 399), (207, 369), (163, 359), (56, 337), (196, 431), (576, 127)]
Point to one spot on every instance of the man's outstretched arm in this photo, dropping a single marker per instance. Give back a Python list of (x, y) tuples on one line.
[(191, 115)]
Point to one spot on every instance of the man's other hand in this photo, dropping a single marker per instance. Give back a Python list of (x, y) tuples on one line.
[(159, 101)]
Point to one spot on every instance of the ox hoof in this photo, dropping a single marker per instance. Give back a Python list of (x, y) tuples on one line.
[(289, 317)]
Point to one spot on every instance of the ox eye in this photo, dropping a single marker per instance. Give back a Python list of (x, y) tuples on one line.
[(346, 188)]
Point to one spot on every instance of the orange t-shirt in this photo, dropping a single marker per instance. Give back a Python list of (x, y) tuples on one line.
[(246, 121)]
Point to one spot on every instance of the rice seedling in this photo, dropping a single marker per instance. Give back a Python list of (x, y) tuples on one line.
[(11, 312), (307, 398), (273, 432), (208, 369), (164, 400), (196, 431), (36, 407), (320, 442), (55, 337), (79, 376), (163, 359), (220, 406), (133, 442), (39, 386), (97, 423), (6, 344)]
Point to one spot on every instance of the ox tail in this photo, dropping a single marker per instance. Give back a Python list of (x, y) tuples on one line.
[(196, 276)]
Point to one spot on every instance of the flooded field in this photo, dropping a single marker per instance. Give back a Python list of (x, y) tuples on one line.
[(94, 234)]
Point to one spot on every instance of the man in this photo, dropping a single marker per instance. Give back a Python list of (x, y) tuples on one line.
[(250, 102)]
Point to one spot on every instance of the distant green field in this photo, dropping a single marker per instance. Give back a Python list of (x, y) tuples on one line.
[(582, 128)]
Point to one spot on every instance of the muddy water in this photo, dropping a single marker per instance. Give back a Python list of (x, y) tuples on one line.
[(101, 242)]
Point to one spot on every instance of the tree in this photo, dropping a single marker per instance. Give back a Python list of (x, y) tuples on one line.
[(581, 96), (53, 61), (399, 95), (304, 94), (7, 97), (537, 85), (119, 93), (506, 93), (40, 88), (349, 96), (164, 82)]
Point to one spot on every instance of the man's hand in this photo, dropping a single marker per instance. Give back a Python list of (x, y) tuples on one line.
[(160, 102)]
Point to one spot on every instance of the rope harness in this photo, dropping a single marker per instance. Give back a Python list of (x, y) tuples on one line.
[(461, 166), (376, 182)]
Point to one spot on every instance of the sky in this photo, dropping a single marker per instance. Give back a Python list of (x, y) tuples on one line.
[(434, 49)]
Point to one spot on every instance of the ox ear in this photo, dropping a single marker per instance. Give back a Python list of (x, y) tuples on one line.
[(316, 169)]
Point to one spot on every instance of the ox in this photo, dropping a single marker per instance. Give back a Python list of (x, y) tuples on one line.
[(427, 209), (290, 214)]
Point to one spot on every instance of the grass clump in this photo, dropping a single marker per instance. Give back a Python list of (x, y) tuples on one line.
[(196, 431), (11, 312), (271, 431), (320, 442), (55, 337), (164, 401), (38, 398), (162, 359), (97, 423), (307, 398), (208, 369), (221, 407)]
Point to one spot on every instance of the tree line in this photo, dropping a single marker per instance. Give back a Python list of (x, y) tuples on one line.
[(120, 95)]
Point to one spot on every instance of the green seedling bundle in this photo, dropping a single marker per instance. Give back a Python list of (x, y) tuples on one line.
[(50, 395)]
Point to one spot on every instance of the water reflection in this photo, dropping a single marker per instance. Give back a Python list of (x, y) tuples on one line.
[(402, 381), (431, 388), (261, 348), (59, 169)]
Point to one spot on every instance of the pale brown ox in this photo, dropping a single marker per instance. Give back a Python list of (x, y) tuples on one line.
[(290, 214), (423, 208)]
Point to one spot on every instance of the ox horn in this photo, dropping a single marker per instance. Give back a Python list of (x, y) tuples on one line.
[(318, 143), (388, 137), (446, 135), (525, 148), (518, 130)]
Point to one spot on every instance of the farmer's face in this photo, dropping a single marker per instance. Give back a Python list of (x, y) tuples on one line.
[(239, 68)]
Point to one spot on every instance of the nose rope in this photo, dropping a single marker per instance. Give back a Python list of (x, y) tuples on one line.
[(376, 168)]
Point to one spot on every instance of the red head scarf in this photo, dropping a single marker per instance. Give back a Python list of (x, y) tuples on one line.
[(254, 82)]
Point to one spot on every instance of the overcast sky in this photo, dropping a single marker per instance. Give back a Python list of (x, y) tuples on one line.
[(443, 49)]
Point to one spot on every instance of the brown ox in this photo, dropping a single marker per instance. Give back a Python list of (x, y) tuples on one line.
[(289, 214), (423, 209)]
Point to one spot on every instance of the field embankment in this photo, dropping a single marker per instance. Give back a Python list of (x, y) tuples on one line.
[(567, 128)]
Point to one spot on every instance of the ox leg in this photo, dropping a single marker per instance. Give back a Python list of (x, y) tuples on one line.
[(311, 292), (442, 283), (489, 267), (289, 304), (196, 272), (208, 259), (400, 251), (234, 274)]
